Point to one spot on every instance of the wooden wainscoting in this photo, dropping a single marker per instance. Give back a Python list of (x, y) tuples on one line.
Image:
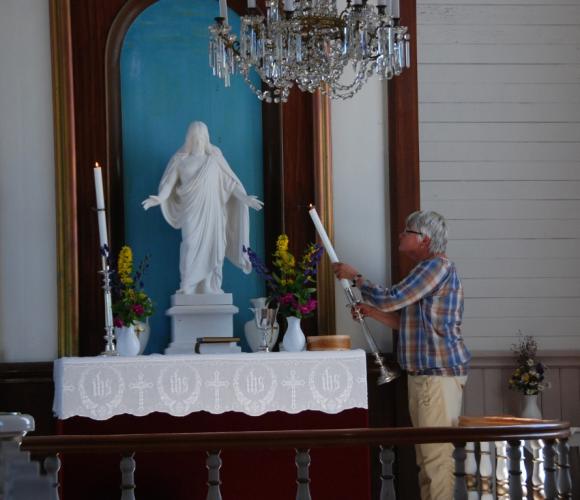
[(487, 390), (28, 388)]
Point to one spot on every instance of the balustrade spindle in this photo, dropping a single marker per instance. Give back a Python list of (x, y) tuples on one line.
[(471, 471), (213, 463), (303, 474), (564, 479), (127, 467), (515, 473), (387, 458), (485, 471), (501, 470), (523, 470), (537, 469), (460, 491), (550, 470), (52, 465)]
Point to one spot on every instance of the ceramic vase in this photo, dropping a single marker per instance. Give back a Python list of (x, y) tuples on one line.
[(253, 334), (294, 339), (127, 341), (530, 408), (143, 330)]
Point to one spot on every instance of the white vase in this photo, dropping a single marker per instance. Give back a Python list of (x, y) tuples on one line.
[(253, 334), (294, 339), (143, 331), (127, 341), (530, 408)]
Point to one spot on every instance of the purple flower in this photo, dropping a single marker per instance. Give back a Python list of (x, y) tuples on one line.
[(138, 309), (118, 322), (258, 265)]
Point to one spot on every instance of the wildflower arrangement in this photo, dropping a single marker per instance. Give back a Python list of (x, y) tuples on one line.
[(130, 303), (528, 377), (292, 284)]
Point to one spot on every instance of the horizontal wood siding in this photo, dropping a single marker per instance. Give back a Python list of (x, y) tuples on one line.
[(499, 113), (487, 391)]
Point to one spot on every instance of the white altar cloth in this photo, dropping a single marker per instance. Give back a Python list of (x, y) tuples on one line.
[(251, 383)]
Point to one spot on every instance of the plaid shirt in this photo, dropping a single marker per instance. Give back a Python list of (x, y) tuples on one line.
[(431, 303)]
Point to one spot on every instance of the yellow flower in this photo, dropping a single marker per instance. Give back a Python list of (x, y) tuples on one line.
[(125, 265), (525, 377), (284, 260), (282, 243)]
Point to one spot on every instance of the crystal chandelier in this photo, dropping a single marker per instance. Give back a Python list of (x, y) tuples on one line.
[(310, 44)]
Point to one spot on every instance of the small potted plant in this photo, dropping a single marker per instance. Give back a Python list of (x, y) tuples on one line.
[(131, 305), (528, 377), (291, 286)]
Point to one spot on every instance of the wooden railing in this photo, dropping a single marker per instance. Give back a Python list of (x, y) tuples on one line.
[(553, 436)]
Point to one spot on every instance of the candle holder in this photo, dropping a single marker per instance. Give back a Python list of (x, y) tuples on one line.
[(110, 345), (386, 374)]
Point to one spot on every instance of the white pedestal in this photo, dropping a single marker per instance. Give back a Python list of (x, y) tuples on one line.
[(200, 315)]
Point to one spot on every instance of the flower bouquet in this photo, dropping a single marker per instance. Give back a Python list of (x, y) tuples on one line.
[(130, 303), (528, 377), (291, 285)]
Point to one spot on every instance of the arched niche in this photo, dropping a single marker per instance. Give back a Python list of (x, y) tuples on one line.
[(86, 39)]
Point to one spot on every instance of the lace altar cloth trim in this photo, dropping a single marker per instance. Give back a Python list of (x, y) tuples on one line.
[(256, 383)]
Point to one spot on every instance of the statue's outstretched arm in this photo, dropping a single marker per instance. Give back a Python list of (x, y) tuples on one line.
[(165, 188), (249, 200)]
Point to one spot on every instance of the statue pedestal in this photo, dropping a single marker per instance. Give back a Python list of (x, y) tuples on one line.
[(199, 315)]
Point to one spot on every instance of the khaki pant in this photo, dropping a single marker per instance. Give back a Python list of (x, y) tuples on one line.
[(435, 402)]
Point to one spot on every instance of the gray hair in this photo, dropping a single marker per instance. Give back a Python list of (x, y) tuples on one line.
[(430, 224)]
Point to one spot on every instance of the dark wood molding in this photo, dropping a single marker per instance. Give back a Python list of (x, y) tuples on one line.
[(65, 183), (403, 111), (94, 34), (28, 388)]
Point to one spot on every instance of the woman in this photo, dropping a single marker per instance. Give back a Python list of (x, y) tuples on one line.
[(200, 194)]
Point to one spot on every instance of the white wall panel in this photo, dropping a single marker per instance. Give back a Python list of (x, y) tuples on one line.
[(499, 111), (28, 303), (499, 170)]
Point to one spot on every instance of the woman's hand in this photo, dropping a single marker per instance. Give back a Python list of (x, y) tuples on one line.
[(151, 201), (344, 271)]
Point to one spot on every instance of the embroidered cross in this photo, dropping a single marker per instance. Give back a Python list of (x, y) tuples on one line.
[(217, 384), (141, 385), (293, 383)]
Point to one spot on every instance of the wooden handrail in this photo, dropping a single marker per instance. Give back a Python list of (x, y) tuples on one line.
[(546, 429)]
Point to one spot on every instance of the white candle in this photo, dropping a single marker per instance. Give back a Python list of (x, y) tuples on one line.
[(395, 12), (224, 10), (381, 3), (251, 4), (102, 219), (326, 242), (289, 5)]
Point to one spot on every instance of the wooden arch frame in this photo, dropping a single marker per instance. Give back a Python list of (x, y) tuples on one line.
[(297, 159), (86, 40)]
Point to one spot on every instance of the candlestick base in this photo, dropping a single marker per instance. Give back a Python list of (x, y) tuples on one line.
[(386, 374)]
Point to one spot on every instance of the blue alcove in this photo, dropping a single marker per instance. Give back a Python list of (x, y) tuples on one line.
[(166, 83)]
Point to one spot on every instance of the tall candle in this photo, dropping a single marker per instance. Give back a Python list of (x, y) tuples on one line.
[(224, 10), (326, 242), (251, 4), (102, 219)]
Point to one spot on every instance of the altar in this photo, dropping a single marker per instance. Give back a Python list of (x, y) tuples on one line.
[(211, 393)]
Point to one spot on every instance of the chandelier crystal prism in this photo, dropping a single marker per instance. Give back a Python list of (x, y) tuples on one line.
[(310, 44)]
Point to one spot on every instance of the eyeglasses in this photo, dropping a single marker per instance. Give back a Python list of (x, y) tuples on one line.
[(410, 231)]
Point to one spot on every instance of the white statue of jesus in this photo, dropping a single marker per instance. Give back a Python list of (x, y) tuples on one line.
[(200, 194)]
